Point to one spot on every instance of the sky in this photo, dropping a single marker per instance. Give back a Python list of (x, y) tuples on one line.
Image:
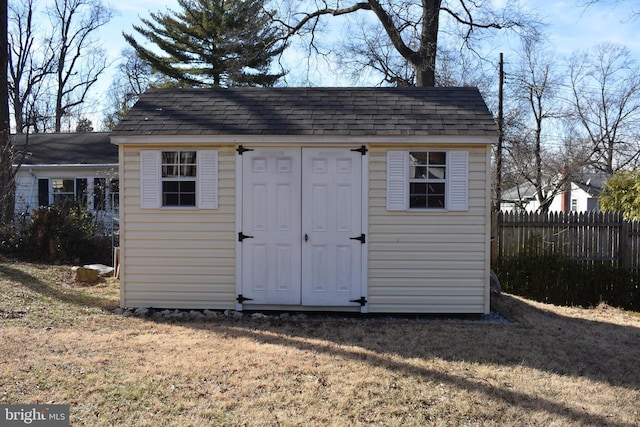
[(570, 28)]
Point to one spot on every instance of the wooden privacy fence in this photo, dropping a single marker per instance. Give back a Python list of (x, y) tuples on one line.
[(588, 237)]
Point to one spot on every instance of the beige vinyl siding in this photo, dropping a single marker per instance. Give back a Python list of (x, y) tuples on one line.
[(421, 261), (177, 257)]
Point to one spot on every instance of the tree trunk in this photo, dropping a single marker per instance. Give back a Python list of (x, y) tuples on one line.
[(425, 62), (17, 111), (7, 194)]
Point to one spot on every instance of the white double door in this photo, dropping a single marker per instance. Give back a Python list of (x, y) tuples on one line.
[(301, 210)]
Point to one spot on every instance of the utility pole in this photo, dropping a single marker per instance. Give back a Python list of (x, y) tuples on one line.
[(495, 243), (500, 133)]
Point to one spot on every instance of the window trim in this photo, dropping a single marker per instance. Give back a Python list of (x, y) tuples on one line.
[(179, 178), (427, 180)]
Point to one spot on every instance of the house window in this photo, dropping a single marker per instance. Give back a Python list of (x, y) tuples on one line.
[(63, 190), (105, 194), (114, 193), (66, 190), (427, 179), (178, 178), (99, 191), (574, 205)]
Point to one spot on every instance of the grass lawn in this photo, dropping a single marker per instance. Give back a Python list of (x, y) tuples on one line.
[(62, 343)]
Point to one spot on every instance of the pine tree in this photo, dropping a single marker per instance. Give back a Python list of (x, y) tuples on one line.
[(212, 43)]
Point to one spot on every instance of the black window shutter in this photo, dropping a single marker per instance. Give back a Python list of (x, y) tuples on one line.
[(43, 192), (81, 190)]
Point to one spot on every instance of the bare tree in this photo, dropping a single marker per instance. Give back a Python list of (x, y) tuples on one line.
[(368, 52), (30, 63), (605, 91), (634, 12), (80, 60), (133, 77), (539, 164), (412, 27)]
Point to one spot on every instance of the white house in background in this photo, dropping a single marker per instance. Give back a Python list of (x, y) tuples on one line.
[(59, 167), (583, 196), (342, 199)]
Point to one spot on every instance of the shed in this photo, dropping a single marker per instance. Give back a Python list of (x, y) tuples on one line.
[(336, 199)]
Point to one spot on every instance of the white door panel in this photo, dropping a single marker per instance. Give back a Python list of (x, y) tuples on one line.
[(331, 200), (271, 216)]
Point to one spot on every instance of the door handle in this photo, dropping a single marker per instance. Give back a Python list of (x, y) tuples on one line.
[(306, 237)]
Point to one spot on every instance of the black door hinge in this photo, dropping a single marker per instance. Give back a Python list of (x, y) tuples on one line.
[(241, 149), (242, 236), (362, 150), (362, 301), (361, 237), (242, 299)]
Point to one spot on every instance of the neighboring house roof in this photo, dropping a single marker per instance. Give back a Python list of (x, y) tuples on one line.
[(523, 192), (310, 111), (82, 148), (592, 183)]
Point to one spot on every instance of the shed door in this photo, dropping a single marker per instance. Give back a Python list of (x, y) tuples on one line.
[(331, 219), (271, 220), (301, 207)]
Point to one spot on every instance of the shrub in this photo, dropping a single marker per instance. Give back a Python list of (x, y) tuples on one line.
[(14, 238), (59, 233)]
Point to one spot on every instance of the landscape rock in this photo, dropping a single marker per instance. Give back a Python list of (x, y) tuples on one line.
[(141, 311), (209, 314), (196, 315), (103, 270)]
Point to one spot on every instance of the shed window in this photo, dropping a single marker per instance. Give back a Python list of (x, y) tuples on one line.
[(179, 178), (428, 180)]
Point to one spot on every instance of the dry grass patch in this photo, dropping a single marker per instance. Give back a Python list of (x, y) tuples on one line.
[(548, 366)]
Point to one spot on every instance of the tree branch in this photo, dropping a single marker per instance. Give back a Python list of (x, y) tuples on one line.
[(295, 29)]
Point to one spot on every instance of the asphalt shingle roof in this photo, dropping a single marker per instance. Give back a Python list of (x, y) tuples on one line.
[(67, 148), (310, 111)]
